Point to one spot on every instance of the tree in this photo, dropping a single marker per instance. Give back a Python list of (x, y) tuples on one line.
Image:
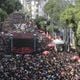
[(40, 21), (3, 15), (78, 30), (78, 33), (54, 7), (72, 15), (8, 6), (17, 5)]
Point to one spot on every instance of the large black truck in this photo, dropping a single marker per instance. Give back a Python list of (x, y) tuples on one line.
[(24, 42)]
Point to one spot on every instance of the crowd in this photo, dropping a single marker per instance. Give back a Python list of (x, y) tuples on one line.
[(53, 66)]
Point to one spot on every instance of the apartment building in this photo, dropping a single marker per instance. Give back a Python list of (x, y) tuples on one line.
[(34, 8)]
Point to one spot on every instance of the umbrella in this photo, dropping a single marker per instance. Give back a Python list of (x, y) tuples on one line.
[(58, 41)]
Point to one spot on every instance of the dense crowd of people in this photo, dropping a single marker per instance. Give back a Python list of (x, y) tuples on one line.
[(53, 66), (50, 66)]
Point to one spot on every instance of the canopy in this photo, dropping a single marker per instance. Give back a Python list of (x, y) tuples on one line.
[(58, 41)]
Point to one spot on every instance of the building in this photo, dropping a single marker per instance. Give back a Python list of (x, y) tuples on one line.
[(34, 8)]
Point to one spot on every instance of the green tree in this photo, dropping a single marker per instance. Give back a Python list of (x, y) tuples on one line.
[(54, 7), (17, 5), (65, 12), (78, 31), (3, 15), (8, 6), (72, 15), (40, 21)]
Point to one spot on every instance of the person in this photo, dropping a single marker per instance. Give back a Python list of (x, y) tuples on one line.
[(1, 24), (45, 29)]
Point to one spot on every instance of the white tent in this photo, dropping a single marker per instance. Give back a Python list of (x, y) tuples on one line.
[(58, 41)]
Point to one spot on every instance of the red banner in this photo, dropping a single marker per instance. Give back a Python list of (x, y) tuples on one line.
[(22, 50)]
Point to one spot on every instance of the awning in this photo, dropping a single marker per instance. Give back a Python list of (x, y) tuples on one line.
[(58, 41)]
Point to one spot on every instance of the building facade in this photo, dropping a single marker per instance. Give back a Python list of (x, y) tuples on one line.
[(34, 8)]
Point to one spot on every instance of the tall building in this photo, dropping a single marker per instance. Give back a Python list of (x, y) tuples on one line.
[(40, 7), (34, 7)]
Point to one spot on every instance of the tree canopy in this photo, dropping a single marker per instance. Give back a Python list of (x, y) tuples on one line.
[(3, 14), (54, 7), (72, 14), (64, 11), (8, 6)]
